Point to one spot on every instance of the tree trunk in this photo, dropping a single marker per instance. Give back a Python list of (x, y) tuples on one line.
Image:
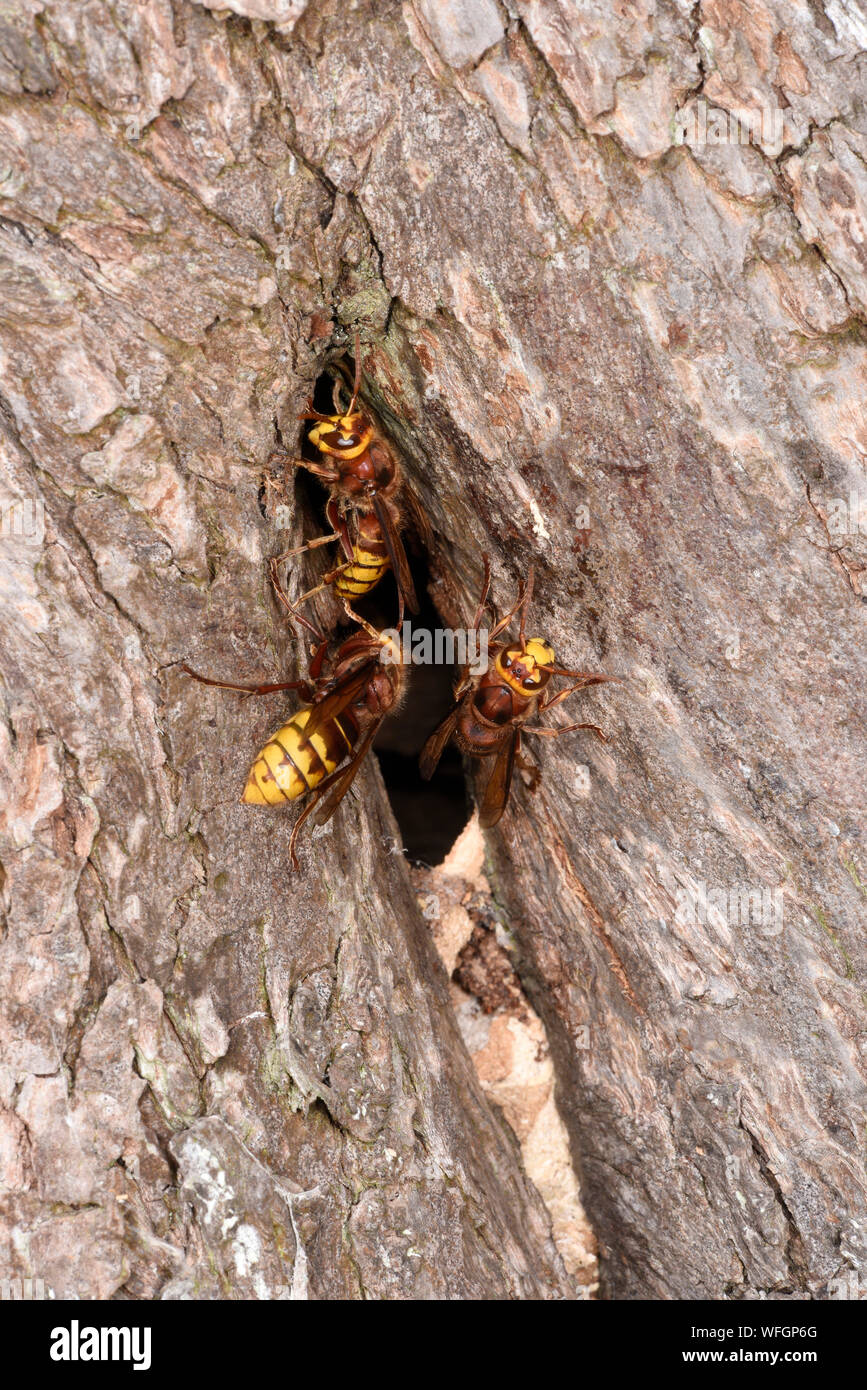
[(606, 343)]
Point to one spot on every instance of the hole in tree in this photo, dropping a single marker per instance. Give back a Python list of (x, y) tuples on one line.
[(310, 494), (430, 815)]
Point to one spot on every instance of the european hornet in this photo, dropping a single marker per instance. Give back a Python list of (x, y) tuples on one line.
[(365, 505), (491, 710), (343, 710)]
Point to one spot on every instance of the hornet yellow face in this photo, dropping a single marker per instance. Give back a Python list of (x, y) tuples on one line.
[(342, 436), (526, 671)]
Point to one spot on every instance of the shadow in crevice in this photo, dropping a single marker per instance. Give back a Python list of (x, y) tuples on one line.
[(430, 815)]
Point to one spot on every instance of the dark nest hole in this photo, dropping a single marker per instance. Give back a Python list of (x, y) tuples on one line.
[(430, 815)]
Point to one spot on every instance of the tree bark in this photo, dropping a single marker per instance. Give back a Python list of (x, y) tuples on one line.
[(634, 361)]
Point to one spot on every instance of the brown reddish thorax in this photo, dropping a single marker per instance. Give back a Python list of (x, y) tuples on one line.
[(496, 702)]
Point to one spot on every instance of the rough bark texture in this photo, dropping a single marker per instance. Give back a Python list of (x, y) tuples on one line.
[(636, 363)]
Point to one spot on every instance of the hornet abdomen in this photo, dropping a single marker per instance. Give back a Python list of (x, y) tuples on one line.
[(369, 563), (291, 764), (366, 556)]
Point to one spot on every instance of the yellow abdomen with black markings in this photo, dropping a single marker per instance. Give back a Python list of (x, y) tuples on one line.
[(291, 763), (362, 573)]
